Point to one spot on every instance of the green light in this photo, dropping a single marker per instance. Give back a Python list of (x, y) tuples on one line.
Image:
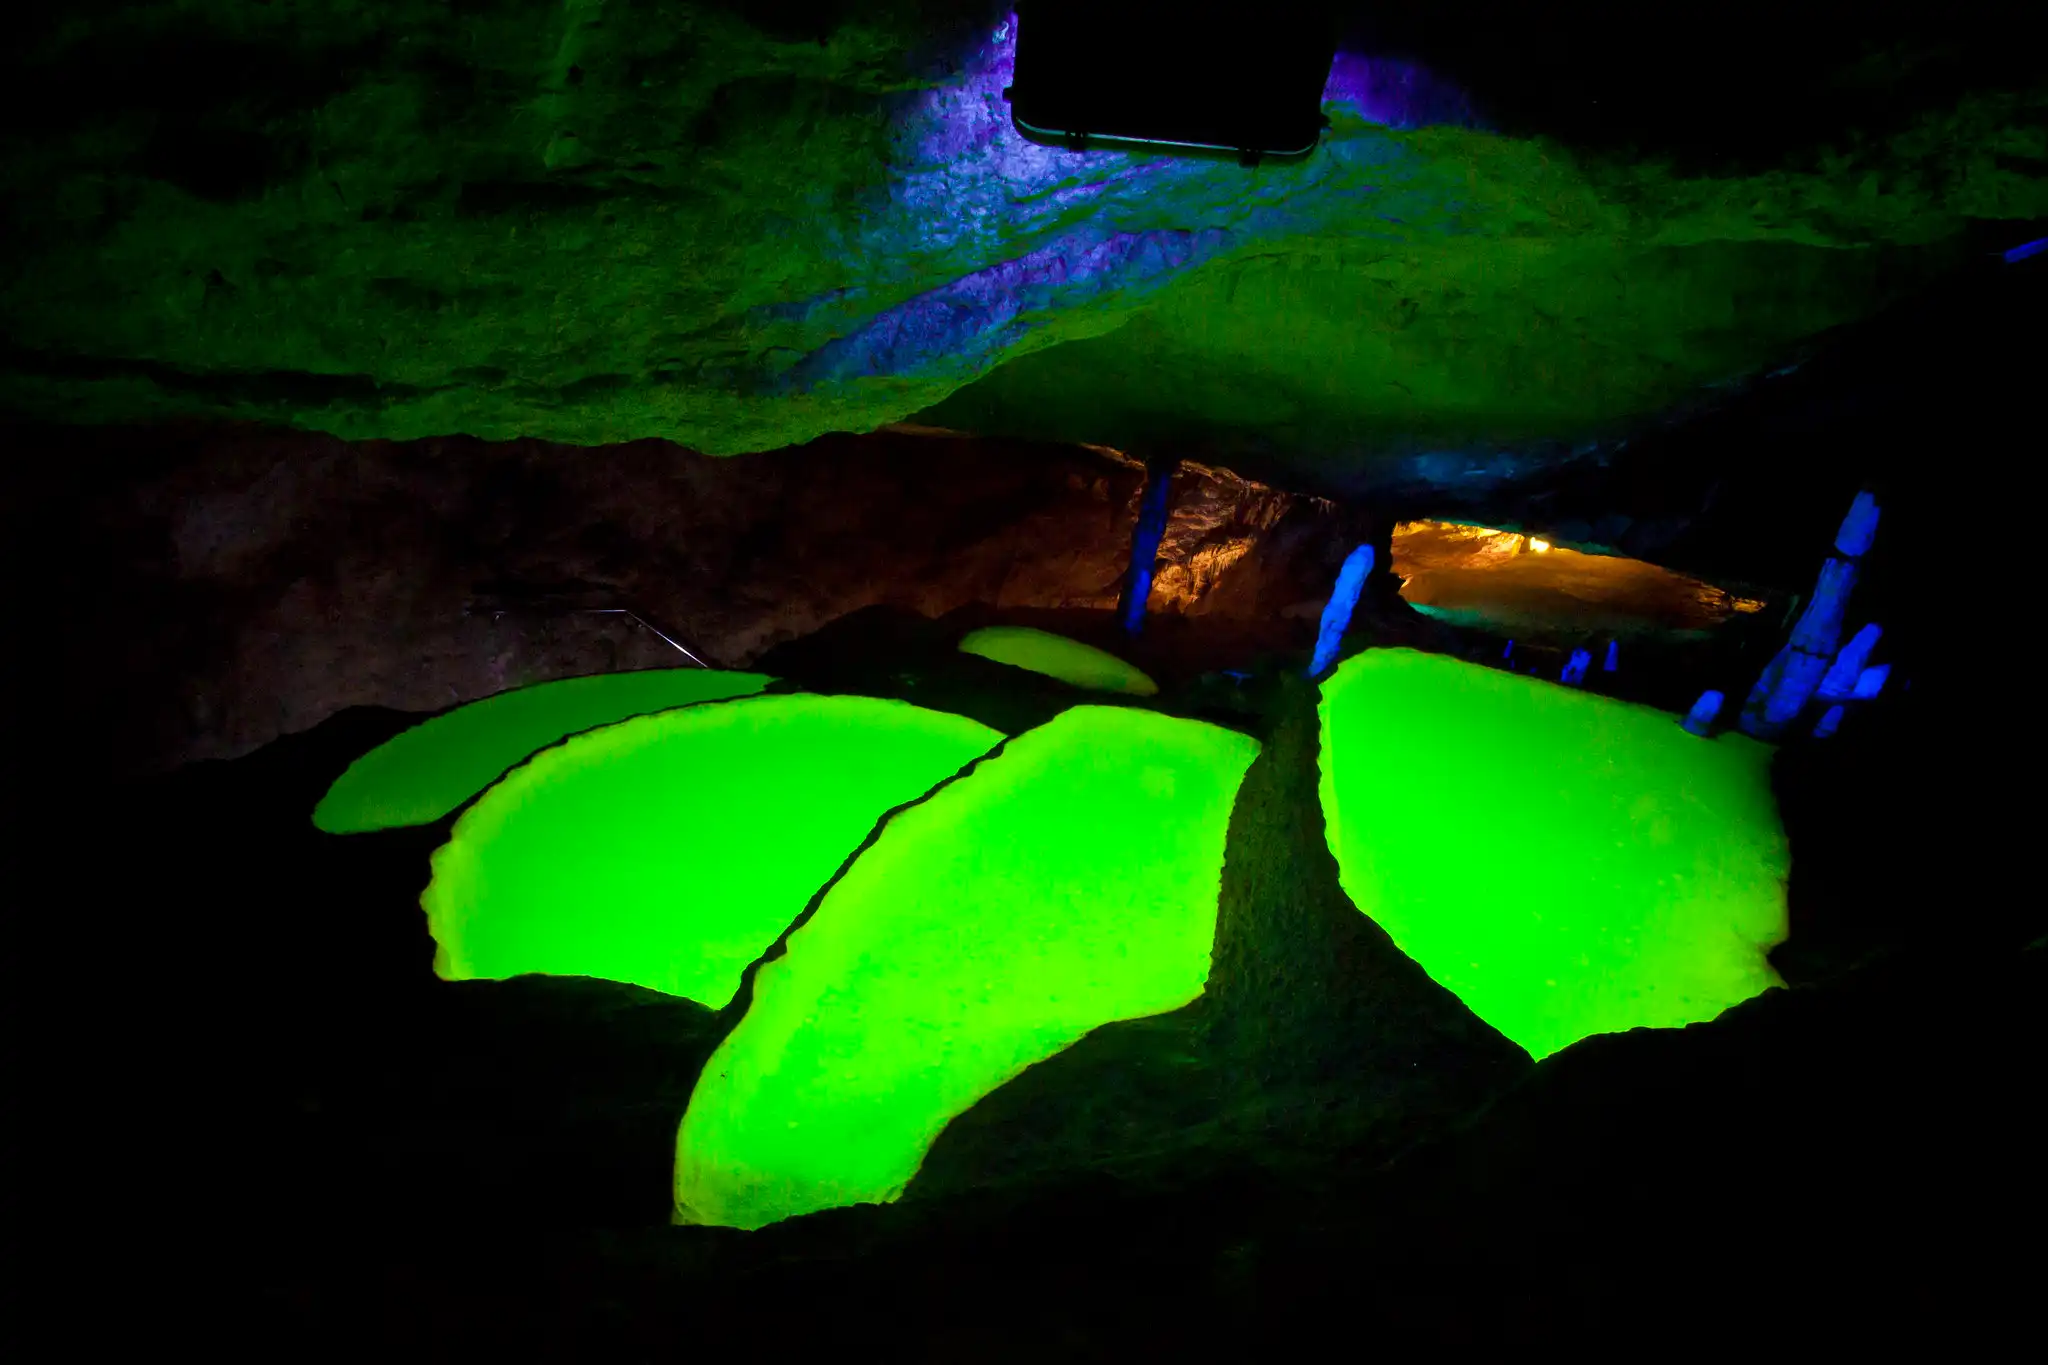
[(1058, 657), (1067, 882), (1565, 863), (419, 776), (671, 850)]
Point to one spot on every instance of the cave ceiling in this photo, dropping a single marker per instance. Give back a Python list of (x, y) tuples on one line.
[(739, 227)]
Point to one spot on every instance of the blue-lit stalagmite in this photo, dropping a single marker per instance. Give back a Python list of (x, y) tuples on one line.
[(1792, 678)]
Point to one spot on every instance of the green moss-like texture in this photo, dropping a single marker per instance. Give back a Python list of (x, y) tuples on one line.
[(1058, 657), (1370, 360), (668, 851), (426, 772), (1314, 1034), (1067, 882), (412, 1167), (1568, 864), (606, 219)]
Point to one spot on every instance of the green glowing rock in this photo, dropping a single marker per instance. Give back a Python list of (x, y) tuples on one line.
[(419, 776), (671, 850), (1058, 657), (1565, 863), (1067, 882)]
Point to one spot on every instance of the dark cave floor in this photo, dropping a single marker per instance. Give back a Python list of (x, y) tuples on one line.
[(281, 1131)]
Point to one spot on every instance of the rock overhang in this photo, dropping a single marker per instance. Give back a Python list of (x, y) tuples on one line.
[(613, 220)]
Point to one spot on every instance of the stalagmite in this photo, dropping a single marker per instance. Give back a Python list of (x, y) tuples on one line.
[(1792, 678), (1859, 528), (1337, 612), (1153, 507), (1848, 666), (1704, 711), (1870, 682)]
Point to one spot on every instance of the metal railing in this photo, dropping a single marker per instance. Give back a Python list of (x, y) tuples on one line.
[(661, 634)]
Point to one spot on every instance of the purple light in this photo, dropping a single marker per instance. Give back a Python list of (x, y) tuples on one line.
[(971, 119), (1859, 528), (971, 319), (1337, 612), (1820, 625), (1022, 235), (1397, 93), (1848, 666)]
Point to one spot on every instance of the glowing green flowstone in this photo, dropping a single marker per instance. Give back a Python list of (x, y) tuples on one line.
[(1058, 657), (671, 850), (420, 775), (1567, 864), (1067, 882)]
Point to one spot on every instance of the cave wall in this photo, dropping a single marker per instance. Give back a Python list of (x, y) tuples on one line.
[(198, 589), (741, 227), (404, 1160), (214, 588)]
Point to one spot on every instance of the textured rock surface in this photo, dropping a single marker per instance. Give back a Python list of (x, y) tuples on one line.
[(244, 584), (609, 219), (394, 1162), (1314, 1031), (208, 588)]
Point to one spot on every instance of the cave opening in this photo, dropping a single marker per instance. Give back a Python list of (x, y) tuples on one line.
[(1524, 586)]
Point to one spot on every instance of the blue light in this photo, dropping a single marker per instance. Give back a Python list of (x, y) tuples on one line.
[(1798, 680), (1701, 717), (1613, 657), (1871, 681), (1789, 682), (1397, 93), (1848, 665), (1820, 625), (2026, 249), (980, 241), (1829, 722), (1151, 529), (1575, 669), (1859, 528), (1337, 614)]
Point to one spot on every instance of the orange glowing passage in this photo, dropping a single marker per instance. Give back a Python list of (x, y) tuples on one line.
[(1530, 587)]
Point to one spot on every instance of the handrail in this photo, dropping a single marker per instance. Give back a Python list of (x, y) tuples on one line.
[(636, 616)]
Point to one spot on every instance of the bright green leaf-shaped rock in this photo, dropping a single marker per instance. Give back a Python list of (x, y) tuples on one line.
[(1058, 657), (671, 850), (1565, 863), (418, 776), (1069, 881)]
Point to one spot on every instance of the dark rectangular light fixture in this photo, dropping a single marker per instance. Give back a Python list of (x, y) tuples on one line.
[(1245, 81)]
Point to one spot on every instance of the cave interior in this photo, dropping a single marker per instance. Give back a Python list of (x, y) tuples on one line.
[(969, 679)]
